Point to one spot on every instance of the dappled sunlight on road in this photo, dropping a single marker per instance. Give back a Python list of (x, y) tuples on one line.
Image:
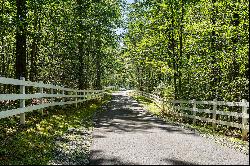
[(126, 134)]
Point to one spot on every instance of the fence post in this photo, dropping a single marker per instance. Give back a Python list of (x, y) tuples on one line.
[(90, 95), (41, 92), (87, 95), (163, 104), (63, 93), (214, 113), (167, 104), (22, 102), (244, 120), (76, 98), (180, 112), (194, 111), (52, 92)]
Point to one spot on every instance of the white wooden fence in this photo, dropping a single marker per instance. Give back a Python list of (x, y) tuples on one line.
[(244, 115), (75, 96)]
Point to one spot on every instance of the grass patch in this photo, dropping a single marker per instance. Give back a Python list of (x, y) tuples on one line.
[(148, 104), (33, 143)]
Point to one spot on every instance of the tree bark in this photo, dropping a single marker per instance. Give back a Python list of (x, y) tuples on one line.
[(174, 56), (34, 49), (21, 39), (98, 64), (181, 47)]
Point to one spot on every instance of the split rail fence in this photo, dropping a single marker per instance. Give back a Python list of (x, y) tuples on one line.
[(244, 115), (56, 93)]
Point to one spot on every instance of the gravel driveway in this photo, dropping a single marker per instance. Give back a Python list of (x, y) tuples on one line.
[(126, 134)]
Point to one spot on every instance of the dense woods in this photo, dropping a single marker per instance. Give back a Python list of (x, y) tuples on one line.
[(183, 49), (68, 43), (188, 49), (194, 50)]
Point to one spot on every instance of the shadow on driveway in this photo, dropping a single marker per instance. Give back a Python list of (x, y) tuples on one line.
[(122, 114)]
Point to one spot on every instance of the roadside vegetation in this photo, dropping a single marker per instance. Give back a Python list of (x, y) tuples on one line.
[(221, 135), (34, 143)]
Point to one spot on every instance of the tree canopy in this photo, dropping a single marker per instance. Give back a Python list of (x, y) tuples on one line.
[(182, 49), (188, 49), (68, 43)]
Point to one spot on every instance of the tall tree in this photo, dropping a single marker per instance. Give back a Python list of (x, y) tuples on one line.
[(21, 35)]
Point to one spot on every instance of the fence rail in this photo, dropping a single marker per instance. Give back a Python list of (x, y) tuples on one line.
[(244, 115), (75, 96)]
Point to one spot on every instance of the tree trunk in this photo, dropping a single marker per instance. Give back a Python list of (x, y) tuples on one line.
[(98, 71), (21, 39), (181, 47), (174, 56), (81, 67), (34, 49), (213, 49), (98, 64)]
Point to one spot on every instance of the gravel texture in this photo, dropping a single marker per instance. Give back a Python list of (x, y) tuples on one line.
[(126, 134), (72, 148), (241, 146)]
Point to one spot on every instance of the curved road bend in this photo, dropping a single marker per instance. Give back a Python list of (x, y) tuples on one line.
[(125, 134)]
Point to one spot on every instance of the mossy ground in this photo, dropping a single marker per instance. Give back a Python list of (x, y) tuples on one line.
[(33, 143)]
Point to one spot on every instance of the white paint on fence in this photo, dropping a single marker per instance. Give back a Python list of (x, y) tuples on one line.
[(87, 95), (244, 115), (22, 102)]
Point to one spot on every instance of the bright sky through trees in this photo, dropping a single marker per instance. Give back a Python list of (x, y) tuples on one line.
[(121, 30)]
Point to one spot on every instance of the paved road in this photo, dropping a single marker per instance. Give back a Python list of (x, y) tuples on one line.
[(126, 134)]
